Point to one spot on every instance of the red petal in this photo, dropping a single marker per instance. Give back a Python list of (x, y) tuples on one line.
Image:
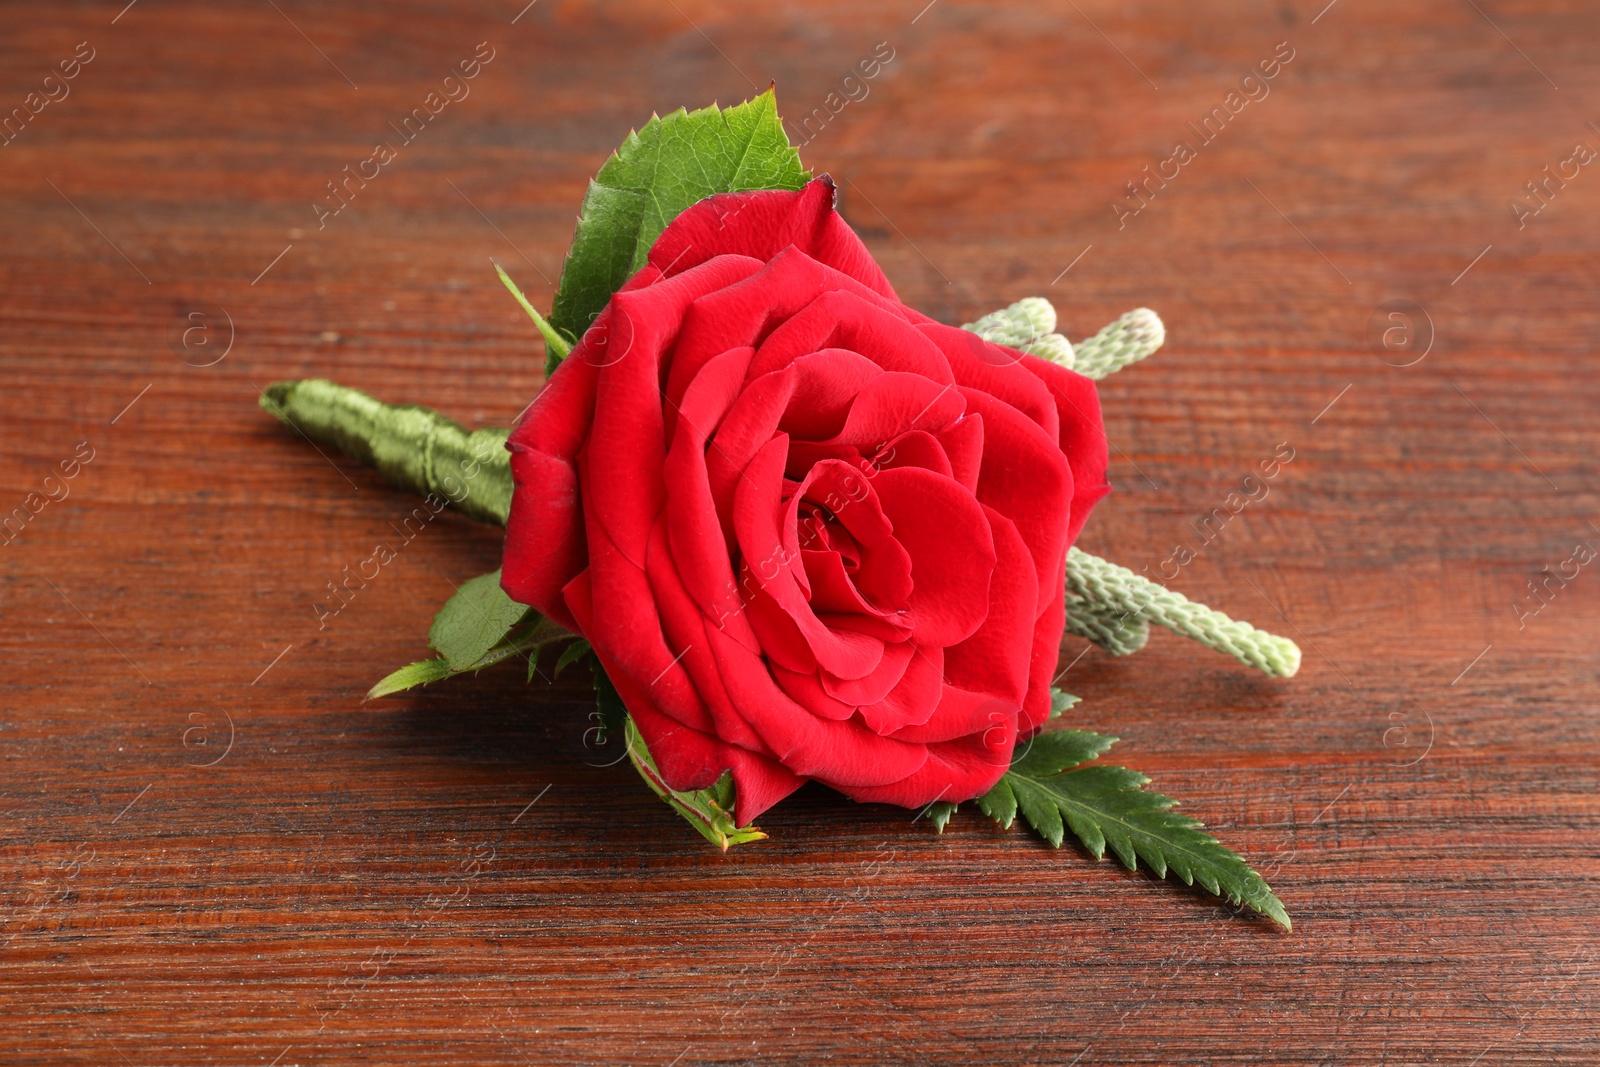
[(701, 547), (996, 370), (746, 312), (626, 625), (914, 700), (996, 659), (689, 759), (884, 572), (1025, 477), (544, 532), (956, 770), (627, 440), (685, 628), (823, 384), (806, 690), (845, 320), (838, 753), (963, 444), (1046, 654), (915, 449), (961, 713), (1083, 436), (946, 533), (758, 783), (762, 224), (895, 403), (757, 510), (875, 686)]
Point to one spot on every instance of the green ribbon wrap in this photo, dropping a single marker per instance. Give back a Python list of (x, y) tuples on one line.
[(416, 448)]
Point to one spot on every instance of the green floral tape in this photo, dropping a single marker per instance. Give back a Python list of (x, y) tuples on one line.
[(1028, 326), (1119, 634), (1128, 340), (415, 447), (1118, 590)]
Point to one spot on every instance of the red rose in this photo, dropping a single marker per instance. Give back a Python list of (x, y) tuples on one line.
[(810, 532)]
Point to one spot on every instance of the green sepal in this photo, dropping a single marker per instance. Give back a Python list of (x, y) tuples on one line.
[(572, 654), (556, 346), (473, 621), (709, 810), (669, 164), (939, 813)]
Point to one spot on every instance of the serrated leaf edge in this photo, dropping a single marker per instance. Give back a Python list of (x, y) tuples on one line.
[(1265, 902)]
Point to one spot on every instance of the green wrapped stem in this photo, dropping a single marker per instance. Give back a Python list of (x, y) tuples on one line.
[(1028, 326), (1128, 340), (414, 447), (1118, 590), (1118, 633), (1028, 318)]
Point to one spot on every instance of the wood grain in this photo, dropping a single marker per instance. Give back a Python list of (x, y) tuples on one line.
[(213, 852)]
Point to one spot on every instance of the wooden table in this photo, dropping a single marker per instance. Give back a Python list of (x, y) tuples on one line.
[(214, 852)]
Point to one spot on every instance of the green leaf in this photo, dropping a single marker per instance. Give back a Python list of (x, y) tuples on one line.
[(411, 676), (572, 654), (556, 347), (666, 166), (429, 671), (526, 639), (1108, 807), (1000, 802), (939, 813), (709, 810), (1040, 756), (1053, 753), (1061, 702), (474, 620)]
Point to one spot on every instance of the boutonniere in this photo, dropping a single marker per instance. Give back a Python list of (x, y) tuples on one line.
[(799, 530)]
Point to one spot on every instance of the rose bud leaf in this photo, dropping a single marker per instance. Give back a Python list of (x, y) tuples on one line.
[(668, 164), (410, 676), (939, 813)]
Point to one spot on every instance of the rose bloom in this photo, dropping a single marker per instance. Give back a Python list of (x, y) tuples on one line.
[(810, 532)]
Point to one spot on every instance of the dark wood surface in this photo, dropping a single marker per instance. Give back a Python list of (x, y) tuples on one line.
[(213, 852)]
